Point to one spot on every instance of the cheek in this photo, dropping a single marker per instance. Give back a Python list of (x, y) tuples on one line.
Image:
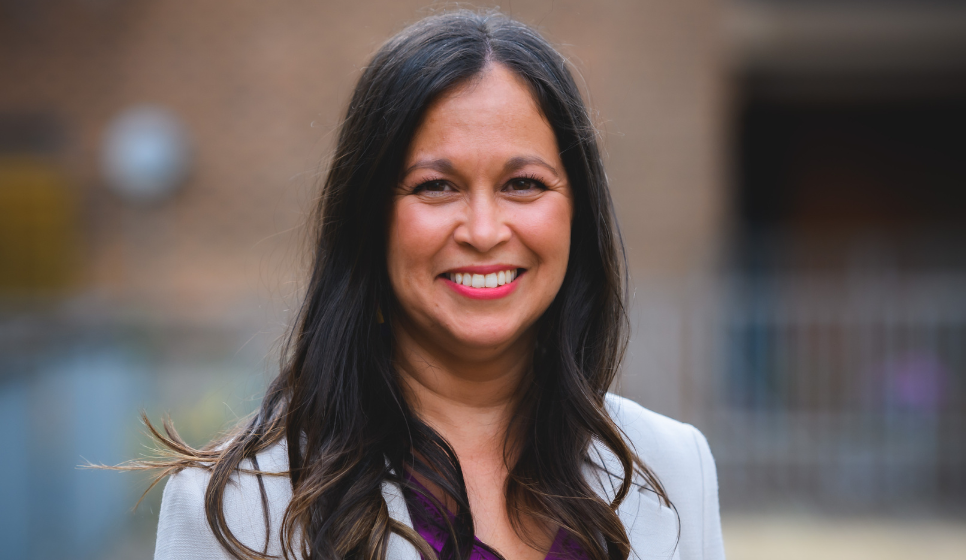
[(545, 229), (416, 234)]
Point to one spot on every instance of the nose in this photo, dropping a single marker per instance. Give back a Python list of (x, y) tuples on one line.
[(483, 226)]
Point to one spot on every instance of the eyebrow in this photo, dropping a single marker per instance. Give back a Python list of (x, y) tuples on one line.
[(520, 162), (446, 166), (442, 165)]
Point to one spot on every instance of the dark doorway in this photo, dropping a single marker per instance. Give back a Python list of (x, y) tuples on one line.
[(828, 184)]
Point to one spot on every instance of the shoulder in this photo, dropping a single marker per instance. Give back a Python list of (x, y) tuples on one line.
[(679, 455), (656, 438), (183, 530)]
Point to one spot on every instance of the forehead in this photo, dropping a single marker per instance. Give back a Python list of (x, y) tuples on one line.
[(494, 111)]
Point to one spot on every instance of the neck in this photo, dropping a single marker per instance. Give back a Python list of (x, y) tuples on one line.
[(469, 401)]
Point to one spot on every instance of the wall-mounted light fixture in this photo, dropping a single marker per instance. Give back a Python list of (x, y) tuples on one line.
[(146, 154)]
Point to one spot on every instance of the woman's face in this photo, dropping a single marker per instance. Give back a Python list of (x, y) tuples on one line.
[(479, 231)]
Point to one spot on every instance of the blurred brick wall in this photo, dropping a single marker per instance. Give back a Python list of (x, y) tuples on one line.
[(261, 86)]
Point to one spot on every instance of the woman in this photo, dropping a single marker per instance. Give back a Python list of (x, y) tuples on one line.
[(445, 386)]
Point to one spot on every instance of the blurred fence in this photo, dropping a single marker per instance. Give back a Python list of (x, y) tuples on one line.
[(842, 393), (70, 389)]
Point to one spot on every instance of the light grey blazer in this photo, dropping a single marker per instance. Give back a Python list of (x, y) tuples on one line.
[(677, 453)]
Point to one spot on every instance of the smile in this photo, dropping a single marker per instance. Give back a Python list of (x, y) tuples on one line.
[(491, 280), (483, 283)]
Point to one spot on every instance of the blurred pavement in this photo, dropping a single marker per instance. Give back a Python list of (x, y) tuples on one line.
[(803, 537)]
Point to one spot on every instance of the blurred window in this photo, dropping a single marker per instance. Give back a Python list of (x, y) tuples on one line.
[(38, 229)]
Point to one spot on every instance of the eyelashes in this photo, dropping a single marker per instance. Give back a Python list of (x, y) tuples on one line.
[(526, 182), (433, 185), (529, 180)]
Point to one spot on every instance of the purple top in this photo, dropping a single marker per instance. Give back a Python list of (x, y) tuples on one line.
[(429, 523)]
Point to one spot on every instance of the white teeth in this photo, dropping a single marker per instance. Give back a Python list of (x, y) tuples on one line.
[(491, 280)]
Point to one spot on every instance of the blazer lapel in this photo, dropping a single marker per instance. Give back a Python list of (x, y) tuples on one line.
[(399, 548), (652, 527)]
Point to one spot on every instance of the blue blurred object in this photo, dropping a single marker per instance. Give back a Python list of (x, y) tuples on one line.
[(73, 408), (146, 153)]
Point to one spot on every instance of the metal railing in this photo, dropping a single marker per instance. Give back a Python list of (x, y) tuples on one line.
[(847, 392)]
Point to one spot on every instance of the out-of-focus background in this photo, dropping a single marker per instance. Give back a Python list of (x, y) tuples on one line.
[(790, 177)]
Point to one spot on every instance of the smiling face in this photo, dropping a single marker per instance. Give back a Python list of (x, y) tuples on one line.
[(479, 232)]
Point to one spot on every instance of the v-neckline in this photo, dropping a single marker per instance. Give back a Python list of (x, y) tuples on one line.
[(429, 523)]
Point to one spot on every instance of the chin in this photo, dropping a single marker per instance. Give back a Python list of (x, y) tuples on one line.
[(482, 339)]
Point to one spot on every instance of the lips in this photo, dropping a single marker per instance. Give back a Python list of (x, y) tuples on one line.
[(485, 282), (477, 280)]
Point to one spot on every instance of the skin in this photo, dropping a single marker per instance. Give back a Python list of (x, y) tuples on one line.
[(483, 184)]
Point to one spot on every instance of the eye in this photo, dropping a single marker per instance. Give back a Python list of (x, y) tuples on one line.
[(433, 187), (524, 184)]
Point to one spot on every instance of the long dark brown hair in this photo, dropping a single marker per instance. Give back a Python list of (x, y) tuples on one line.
[(337, 402)]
